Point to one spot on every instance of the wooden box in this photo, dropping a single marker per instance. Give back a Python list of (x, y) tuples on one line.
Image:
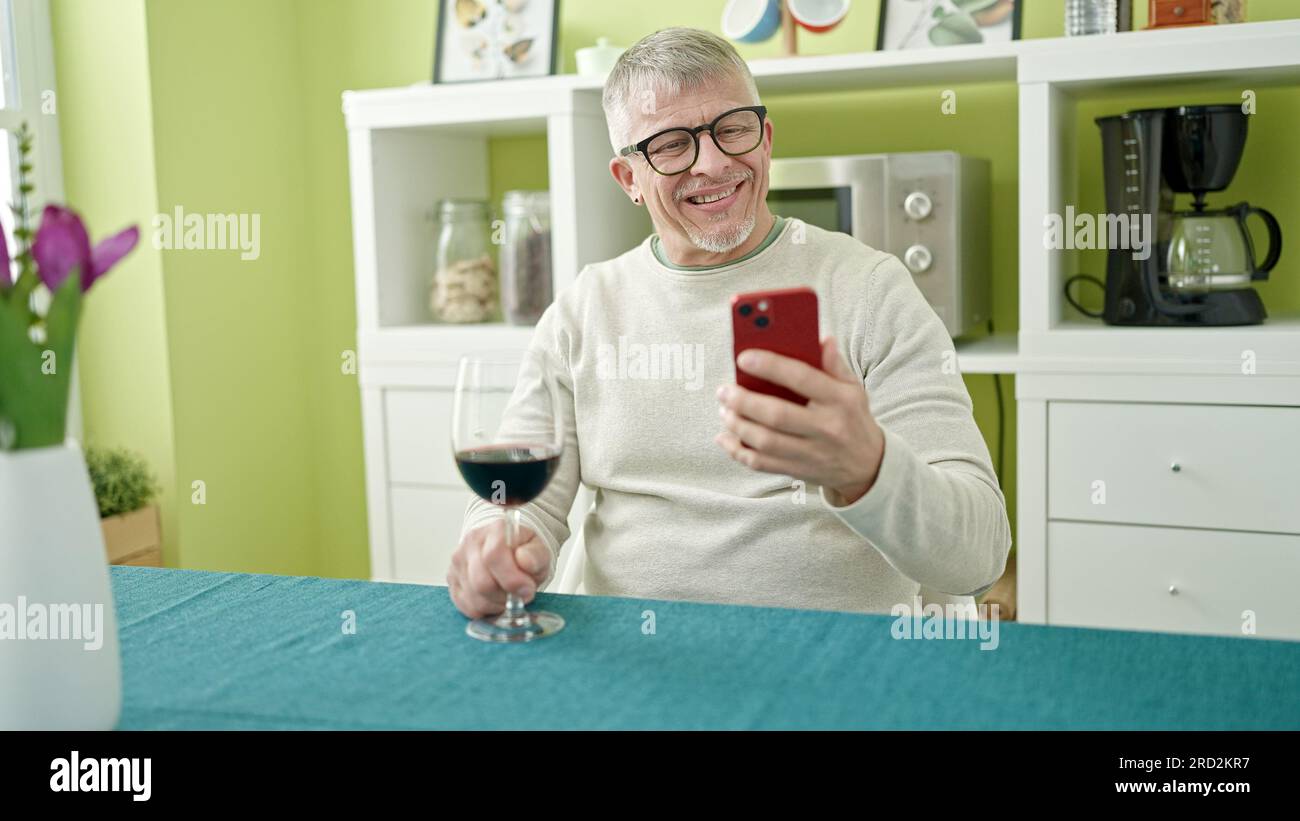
[(134, 538), (1168, 13)]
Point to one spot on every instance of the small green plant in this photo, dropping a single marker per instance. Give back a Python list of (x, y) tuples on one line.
[(122, 480)]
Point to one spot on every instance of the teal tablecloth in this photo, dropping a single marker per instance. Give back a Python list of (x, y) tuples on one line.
[(227, 650)]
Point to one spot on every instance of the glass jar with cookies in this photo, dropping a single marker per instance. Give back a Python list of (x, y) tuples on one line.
[(464, 287)]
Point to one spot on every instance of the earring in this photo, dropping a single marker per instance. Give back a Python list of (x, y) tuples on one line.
[(637, 199)]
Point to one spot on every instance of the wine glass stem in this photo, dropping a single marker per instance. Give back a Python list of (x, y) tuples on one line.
[(514, 604)]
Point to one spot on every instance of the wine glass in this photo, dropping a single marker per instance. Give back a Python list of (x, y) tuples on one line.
[(507, 436)]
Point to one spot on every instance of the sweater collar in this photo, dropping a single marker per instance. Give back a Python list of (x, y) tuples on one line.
[(656, 247)]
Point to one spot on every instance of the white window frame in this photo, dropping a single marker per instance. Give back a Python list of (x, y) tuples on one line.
[(33, 63)]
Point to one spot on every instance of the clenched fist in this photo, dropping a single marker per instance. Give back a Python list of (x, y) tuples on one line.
[(483, 569)]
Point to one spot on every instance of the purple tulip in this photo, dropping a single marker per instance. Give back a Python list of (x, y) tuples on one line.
[(62, 244), (109, 251)]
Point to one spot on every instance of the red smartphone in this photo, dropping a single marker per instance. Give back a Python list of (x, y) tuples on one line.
[(782, 321)]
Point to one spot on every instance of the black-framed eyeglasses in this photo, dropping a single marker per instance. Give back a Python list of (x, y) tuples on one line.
[(675, 150)]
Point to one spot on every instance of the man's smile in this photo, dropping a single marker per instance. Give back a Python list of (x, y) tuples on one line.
[(718, 198)]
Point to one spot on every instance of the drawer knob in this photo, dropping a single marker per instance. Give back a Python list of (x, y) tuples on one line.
[(1173, 590), (1175, 467)]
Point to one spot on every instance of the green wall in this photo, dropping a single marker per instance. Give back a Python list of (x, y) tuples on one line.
[(228, 128), (345, 45), (228, 371), (106, 129), (204, 100)]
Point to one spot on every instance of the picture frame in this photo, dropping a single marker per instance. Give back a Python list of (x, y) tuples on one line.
[(909, 24), (484, 40)]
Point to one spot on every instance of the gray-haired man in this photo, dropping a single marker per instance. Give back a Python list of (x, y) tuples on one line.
[(683, 511)]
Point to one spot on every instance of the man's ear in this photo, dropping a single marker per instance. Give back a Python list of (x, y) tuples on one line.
[(622, 173)]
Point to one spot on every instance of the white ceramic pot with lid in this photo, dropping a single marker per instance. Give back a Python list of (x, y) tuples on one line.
[(597, 60)]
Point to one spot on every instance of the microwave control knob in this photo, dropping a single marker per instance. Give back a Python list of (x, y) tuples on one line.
[(918, 259), (917, 205)]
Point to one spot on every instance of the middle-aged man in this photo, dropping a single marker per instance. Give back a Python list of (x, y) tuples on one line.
[(683, 510)]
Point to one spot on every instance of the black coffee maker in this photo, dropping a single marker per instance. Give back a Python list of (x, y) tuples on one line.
[(1199, 264)]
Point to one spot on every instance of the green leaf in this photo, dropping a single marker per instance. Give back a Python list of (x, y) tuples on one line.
[(23, 287), (35, 380)]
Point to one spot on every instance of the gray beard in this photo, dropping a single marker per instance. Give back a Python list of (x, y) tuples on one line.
[(720, 242)]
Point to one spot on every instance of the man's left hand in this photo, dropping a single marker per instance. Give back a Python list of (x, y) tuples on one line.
[(833, 441)]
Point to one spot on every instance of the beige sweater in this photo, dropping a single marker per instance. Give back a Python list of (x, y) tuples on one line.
[(641, 348)]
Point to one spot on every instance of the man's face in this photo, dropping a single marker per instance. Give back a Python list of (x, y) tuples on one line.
[(686, 221)]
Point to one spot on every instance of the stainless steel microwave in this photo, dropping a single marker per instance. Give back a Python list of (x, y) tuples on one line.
[(928, 208)]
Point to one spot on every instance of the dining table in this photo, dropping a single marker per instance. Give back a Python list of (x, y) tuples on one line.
[(224, 650)]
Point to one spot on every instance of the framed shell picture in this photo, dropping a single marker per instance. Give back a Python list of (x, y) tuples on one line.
[(495, 39), (921, 24)]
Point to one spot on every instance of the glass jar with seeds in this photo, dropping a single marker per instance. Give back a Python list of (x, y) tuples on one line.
[(526, 256)]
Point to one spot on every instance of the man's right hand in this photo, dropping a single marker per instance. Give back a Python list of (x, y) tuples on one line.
[(483, 569)]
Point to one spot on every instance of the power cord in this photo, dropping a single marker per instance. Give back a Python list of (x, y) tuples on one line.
[(1070, 299), (1001, 449)]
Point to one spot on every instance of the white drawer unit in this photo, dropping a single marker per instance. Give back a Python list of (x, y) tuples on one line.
[(415, 494), (426, 529), (418, 424), (1173, 579), (1214, 466), (1166, 502)]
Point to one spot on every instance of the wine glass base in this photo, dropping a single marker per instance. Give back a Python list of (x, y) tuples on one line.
[(531, 625)]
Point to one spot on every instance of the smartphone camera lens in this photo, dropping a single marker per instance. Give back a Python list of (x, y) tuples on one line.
[(761, 322), (746, 309)]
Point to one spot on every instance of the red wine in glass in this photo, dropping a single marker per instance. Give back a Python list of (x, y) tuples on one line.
[(508, 474), (507, 439)]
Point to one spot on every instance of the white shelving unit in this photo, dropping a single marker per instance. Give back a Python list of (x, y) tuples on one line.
[(410, 147), (1144, 453)]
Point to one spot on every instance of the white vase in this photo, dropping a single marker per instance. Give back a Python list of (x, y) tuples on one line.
[(53, 570)]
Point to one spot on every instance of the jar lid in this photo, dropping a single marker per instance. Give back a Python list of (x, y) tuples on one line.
[(452, 206), (521, 199)]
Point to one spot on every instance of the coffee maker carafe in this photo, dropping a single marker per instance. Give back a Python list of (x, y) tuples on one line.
[(1213, 251), (1199, 264)]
